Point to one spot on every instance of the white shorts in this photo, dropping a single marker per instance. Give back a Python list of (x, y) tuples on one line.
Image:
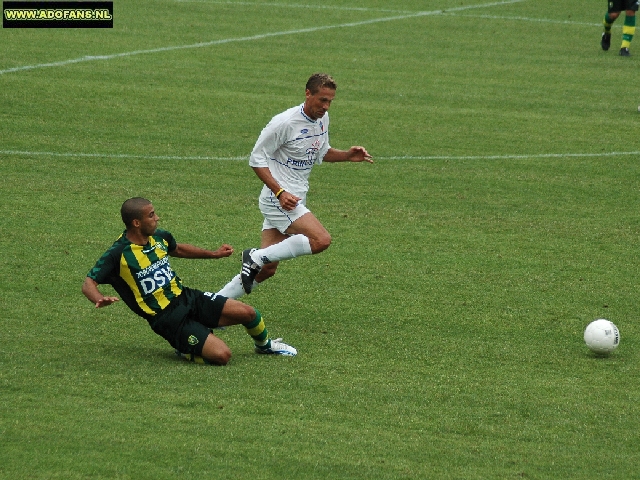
[(277, 217)]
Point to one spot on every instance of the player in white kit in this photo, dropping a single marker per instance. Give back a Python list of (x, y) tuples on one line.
[(286, 151)]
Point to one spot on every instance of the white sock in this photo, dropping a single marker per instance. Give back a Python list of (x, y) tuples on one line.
[(234, 289), (291, 247)]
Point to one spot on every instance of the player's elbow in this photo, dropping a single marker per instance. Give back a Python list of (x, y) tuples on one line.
[(88, 286)]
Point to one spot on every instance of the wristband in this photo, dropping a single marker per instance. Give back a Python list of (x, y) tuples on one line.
[(279, 193)]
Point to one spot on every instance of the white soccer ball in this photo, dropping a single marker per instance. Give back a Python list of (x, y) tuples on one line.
[(602, 336)]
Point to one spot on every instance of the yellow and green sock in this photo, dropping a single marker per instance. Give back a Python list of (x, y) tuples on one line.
[(628, 30), (607, 22), (258, 331)]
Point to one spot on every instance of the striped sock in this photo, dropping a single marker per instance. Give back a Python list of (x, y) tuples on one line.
[(607, 22), (628, 30), (258, 331)]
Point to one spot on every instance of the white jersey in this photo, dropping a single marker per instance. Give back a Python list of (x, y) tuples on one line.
[(290, 145)]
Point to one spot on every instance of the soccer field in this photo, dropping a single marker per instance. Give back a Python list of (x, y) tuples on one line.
[(440, 336)]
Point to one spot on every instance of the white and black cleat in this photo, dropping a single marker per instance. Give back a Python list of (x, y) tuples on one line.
[(249, 270)]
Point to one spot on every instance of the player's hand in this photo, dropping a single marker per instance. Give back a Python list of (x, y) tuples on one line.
[(288, 201), (224, 251), (106, 301), (359, 154)]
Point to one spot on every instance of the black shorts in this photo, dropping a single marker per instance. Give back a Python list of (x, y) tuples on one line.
[(187, 321), (622, 5)]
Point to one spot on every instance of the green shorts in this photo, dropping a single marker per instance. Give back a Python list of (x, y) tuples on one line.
[(622, 5), (187, 321)]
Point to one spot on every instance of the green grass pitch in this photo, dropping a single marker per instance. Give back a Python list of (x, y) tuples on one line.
[(440, 337)]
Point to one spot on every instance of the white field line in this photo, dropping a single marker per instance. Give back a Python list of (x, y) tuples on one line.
[(513, 157), (385, 10), (527, 19), (291, 5), (89, 58), (115, 155), (246, 157)]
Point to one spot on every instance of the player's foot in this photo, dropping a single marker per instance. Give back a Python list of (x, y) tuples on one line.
[(192, 358), (606, 41), (249, 270), (624, 52), (277, 347)]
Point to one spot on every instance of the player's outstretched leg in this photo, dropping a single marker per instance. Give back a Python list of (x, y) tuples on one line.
[(291, 247), (265, 345), (235, 312)]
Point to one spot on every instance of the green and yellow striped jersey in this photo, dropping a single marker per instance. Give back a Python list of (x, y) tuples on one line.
[(140, 274)]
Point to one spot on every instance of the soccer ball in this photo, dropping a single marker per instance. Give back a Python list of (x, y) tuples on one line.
[(602, 336)]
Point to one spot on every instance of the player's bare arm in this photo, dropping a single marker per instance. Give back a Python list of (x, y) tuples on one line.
[(354, 154), (90, 290), (287, 200), (185, 250)]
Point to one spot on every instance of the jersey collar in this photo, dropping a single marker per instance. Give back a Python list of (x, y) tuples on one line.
[(306, 116)]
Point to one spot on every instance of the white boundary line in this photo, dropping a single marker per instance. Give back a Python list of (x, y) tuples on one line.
[(246, 157), (513, 157), (383, 10), (116, 155), (291, 5), (527, 19), (89, 58)]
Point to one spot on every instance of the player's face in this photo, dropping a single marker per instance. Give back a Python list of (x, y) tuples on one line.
[(149, 221), (317, 104)]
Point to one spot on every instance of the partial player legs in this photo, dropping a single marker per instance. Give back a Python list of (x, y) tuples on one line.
[(628, 30), (216, 352), (609, 18)]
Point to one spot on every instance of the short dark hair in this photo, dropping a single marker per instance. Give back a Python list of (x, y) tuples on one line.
[(132, 210), (319, 80)]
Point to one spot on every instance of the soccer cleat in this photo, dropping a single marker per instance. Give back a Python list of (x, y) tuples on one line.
[(277, 347), (249, 270), (624, 52), (606, 41)]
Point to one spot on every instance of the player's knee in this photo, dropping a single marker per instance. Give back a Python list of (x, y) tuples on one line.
[(224, 356), (215, 351), (220, 356), (320, 243), (248, 314), (236, 312)]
